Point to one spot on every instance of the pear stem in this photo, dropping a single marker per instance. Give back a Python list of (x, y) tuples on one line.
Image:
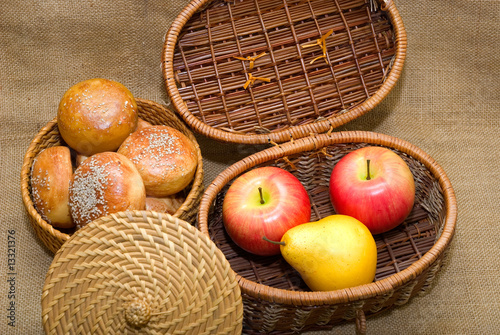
[(261, 196), (273, 242), (368, 170)]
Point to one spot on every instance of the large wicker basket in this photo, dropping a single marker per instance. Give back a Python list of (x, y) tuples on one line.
[(140, 272), (215, 49), (49, 136), (275, 298)]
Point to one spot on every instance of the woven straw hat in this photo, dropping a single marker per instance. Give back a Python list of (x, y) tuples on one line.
[(140, 272)]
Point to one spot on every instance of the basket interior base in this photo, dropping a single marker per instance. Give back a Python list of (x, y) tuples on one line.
[(397, 248)]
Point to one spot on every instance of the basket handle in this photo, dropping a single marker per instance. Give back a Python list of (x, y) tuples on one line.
[(360, 322)]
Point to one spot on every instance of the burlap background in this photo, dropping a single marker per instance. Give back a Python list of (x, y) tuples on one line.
[(446, 102)]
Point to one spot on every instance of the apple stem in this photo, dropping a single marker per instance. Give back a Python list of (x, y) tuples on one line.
[(261, 196), (368, 170), (273, 242)]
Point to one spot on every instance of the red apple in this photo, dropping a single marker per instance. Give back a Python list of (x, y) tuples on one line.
[(264, 202), (373, 185)]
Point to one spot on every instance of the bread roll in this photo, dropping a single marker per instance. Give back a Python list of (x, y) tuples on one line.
[(105, 183), (141, 124), (79, 159), (165, 158), (50, 177), (96, 115), (169, 204)]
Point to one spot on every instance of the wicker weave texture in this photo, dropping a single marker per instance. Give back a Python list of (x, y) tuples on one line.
[(140, 273), (275, 297), (256, 71), (49, 136)]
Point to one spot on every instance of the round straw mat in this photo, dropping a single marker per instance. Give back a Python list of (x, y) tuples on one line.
[(140, 272)]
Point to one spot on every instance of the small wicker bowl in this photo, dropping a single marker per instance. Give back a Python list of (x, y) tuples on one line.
[(275, 297), (140, 272), (214, 48), (49, 136)]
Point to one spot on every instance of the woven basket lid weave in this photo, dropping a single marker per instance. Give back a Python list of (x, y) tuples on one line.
[(140, 272), (251, 71)]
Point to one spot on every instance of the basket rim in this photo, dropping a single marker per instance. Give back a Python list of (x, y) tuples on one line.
[(197, 183), (285, 135), (373, 289)]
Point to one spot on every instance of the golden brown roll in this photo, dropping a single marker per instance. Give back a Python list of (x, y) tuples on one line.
[(79, 159), (50, 177), (165, 158), (105, 183), (96, 115), (169, 204), (141, 124)]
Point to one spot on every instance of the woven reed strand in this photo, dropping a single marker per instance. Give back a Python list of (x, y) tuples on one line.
[(275, 297), (174, 276), (364, 58), (49, 136)]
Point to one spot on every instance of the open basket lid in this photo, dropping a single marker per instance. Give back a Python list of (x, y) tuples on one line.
[(141, 272), (255, 71)]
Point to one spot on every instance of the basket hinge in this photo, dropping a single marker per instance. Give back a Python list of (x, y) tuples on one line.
[(385, 4), (285, 158)]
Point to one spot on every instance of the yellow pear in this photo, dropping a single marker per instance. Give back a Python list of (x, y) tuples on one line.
[(333, 253)]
